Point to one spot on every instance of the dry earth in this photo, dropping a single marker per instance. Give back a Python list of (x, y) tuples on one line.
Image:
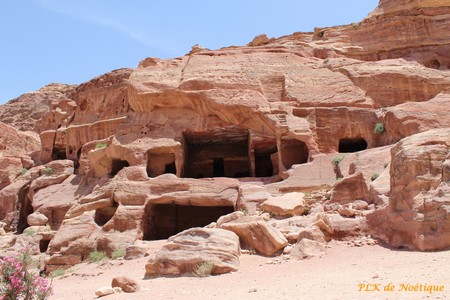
[(335, 275)]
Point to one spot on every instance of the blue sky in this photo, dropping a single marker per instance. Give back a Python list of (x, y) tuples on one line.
[(72, 41)]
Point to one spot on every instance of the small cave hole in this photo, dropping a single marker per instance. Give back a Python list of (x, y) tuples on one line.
[(104, 214), (117, 165), (352, 145)]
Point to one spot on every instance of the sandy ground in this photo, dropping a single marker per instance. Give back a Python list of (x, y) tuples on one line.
[(339, 274)]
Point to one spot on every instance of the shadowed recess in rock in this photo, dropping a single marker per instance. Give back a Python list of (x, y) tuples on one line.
[(164, 220), (352, 145), (217, 154)]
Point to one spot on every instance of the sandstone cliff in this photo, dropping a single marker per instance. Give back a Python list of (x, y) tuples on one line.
[(173, 144)]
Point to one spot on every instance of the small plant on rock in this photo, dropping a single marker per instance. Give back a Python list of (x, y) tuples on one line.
[(337, 160), (379, 128), (29, 232), (48, 170), (101, 146), (118, 254), (23, 171), (374, 176), (204, 269), (355, 25), (17, 282), (97, 256), (386, 165)]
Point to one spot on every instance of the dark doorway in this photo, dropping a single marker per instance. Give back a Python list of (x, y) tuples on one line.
[(218, 168), (165, 220), (293, 152), (59, 153), (220, 153), (263, 162), (43, 245), (352, 145), (117, 165), (160, 163)]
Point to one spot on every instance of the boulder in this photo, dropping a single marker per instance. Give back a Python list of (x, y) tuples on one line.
[(127, 284), (255, 233), (185, 251), (106, 291), (290, 204), (417, 215), (306, 248), (349, 189)]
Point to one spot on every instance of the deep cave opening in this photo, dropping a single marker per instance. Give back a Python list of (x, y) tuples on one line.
[(117, 165), (352, 145), (104, 214), (162, 221), (24, 207), (293, 152), (43, 245), (219, 153), (160, 163), (59, 153)]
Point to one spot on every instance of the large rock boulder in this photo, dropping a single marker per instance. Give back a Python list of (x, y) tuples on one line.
[(417, 215), (191, 248), (290, 204), (257, 234)]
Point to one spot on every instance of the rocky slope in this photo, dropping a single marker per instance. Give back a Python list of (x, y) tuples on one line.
[(304, 126)]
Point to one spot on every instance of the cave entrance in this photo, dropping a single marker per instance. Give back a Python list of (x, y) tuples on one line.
[(352, 145), (293, 152), (162, 221), (104, 214), (264, 166), (59, 153), (218, 153), (117, 165), (160, 163), (43, 245)]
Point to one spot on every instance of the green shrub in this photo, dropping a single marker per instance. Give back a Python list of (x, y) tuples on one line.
[(101, 146), (49, 170), (23, 171), (97, 256), (337, 160), (355, 25), (118, 254), (204, 269), (57, 273), (306, 211), (379, 128), (374, 176), (29, 232)]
